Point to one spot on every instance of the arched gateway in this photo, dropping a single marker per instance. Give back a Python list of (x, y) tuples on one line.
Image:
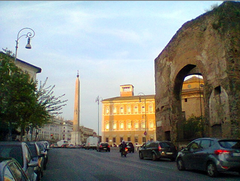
[(209, 46)]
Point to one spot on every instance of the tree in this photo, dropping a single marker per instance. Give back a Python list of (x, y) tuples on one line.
[(21, 104), (193, 127), (17, 94)]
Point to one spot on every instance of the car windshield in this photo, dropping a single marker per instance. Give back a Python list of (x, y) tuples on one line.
[(33, 150), (230, 144), (13, 151), (41, 147)]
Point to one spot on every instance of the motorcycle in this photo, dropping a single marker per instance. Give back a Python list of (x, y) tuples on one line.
[(124, 152)]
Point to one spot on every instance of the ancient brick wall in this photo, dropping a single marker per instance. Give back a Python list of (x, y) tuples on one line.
[(210, 46)]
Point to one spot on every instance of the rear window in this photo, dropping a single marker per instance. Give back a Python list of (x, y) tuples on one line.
[(166, 145), (104, 144), (235, 144), (33, 150), (12, 151)]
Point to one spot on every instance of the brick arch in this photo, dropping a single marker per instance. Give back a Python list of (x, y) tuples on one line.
[(208, 45)]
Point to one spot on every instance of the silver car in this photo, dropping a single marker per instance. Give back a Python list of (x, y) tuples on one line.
[(211, 155), (21, 152)]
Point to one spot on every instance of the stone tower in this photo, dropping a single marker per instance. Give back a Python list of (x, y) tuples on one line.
[(76, 135)]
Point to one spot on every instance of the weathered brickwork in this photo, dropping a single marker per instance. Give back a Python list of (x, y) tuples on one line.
[(210, 46)]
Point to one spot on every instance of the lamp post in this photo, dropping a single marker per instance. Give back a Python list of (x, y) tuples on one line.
[(97, 100), (142, 94), (30, 34)]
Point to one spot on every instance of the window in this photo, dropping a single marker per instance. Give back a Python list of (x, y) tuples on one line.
[(136, 139), (106, 139), (122, 125), (194, 145), (185, 100), (121, 110), (205, 144), (129, 125), (136, 109), (8, 175), (136, 125), (143, 139), (121, 138), (115, 126), (16, 171), (129, 109), (114, 140), (107, 126), (143, 124), (129, 139), (151, 109), (143, 108), (115, 110), (151, 125), (107, 110)]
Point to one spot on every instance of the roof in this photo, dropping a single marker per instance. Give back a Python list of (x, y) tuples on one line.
[(38, 69), (129, 98), (11, 143)]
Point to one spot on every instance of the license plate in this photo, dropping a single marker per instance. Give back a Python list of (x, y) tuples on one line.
[(104, 148), (236, 154), (169, 153)]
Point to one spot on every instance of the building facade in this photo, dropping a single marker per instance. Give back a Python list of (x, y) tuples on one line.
[(128, 117), (192, 97)]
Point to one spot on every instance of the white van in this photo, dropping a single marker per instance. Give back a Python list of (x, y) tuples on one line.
[(91, 142)]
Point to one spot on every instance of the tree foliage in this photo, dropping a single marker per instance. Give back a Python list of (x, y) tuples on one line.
[(21, 103), (193, 127)]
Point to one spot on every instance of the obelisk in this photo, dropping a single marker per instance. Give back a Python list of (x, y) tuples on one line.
[(76, 135)]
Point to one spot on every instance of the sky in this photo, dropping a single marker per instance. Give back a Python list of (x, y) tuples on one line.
[(110, 43)]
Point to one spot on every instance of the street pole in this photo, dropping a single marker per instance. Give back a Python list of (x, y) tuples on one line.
[(97, 100), (145, 116)]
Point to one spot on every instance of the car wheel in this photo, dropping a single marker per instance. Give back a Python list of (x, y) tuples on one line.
[(154, 157), (140, 155), (212, 169), (180, 164)]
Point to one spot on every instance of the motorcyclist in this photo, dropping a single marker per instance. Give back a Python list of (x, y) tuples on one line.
[(122, 147)]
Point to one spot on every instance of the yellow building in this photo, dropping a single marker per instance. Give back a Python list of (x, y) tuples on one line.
[(192, 97), (128, 117)]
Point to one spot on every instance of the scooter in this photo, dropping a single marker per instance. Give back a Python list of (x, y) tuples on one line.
[(124, 152)]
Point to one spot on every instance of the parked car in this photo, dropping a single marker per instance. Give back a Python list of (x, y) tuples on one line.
[(21, 152), (130, 146), (102, 146), (64, 146), (10, 169), (44, 152), (46, 144), (54, 145), (158, 149), (37, 156), (211, 155)]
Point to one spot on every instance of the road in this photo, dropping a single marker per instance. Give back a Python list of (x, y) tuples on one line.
[(90, 165)]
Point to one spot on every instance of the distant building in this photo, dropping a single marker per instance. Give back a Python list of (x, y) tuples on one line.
[(128, 117), (60, 129), (192, 97)]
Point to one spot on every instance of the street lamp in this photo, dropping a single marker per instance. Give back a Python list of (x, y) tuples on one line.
[(30, 34), (97, 100), (142, 94)]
